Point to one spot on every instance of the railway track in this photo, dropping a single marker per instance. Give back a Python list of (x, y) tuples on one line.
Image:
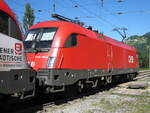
[(35, 105), (143, 74)]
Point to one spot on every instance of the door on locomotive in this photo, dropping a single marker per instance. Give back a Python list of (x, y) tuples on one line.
[(109, 57)]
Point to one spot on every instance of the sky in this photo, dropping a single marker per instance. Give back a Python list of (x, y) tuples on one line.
[(102, 16)]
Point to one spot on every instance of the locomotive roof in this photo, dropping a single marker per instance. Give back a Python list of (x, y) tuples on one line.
[(4, 7), (76, 28)]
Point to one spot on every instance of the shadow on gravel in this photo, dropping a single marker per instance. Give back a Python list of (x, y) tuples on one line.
[(37, 104), (90, 92)]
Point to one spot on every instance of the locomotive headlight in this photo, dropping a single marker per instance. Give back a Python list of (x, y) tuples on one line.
[(51, 61)]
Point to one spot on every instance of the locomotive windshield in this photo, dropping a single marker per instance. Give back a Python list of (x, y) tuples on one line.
[(40, 38)]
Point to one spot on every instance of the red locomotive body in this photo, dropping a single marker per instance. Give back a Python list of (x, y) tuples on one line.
[(64, 53)]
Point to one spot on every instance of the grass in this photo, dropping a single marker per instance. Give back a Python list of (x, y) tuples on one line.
[(122, 103), (138, 104), (143, 95)]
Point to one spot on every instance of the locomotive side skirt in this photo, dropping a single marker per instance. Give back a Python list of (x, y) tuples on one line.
[(59, 77)]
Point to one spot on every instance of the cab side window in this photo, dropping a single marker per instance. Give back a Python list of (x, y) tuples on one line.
[(14, 29), (3, 23), (72, 41), (8, 26)]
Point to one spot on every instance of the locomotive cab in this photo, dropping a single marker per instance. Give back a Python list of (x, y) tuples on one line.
[(38, 44), (45, 47)]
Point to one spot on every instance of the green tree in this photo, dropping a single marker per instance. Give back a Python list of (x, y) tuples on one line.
[(28, 18), (142, 44)]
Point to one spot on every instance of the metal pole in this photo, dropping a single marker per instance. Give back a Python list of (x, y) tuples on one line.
[(149, 57), (54, 6)]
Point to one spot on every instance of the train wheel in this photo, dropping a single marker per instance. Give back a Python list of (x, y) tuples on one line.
[(101, 83), (80, 87), (131, 77), (70, 90), (109, 79), (4, 102)]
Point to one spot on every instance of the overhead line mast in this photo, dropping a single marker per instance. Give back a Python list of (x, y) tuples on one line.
[(102, 3), (54, 6)]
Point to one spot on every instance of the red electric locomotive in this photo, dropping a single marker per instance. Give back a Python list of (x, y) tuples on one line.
[(65, 53)]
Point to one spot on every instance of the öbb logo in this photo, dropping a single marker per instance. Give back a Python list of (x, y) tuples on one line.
[(18, 48)]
